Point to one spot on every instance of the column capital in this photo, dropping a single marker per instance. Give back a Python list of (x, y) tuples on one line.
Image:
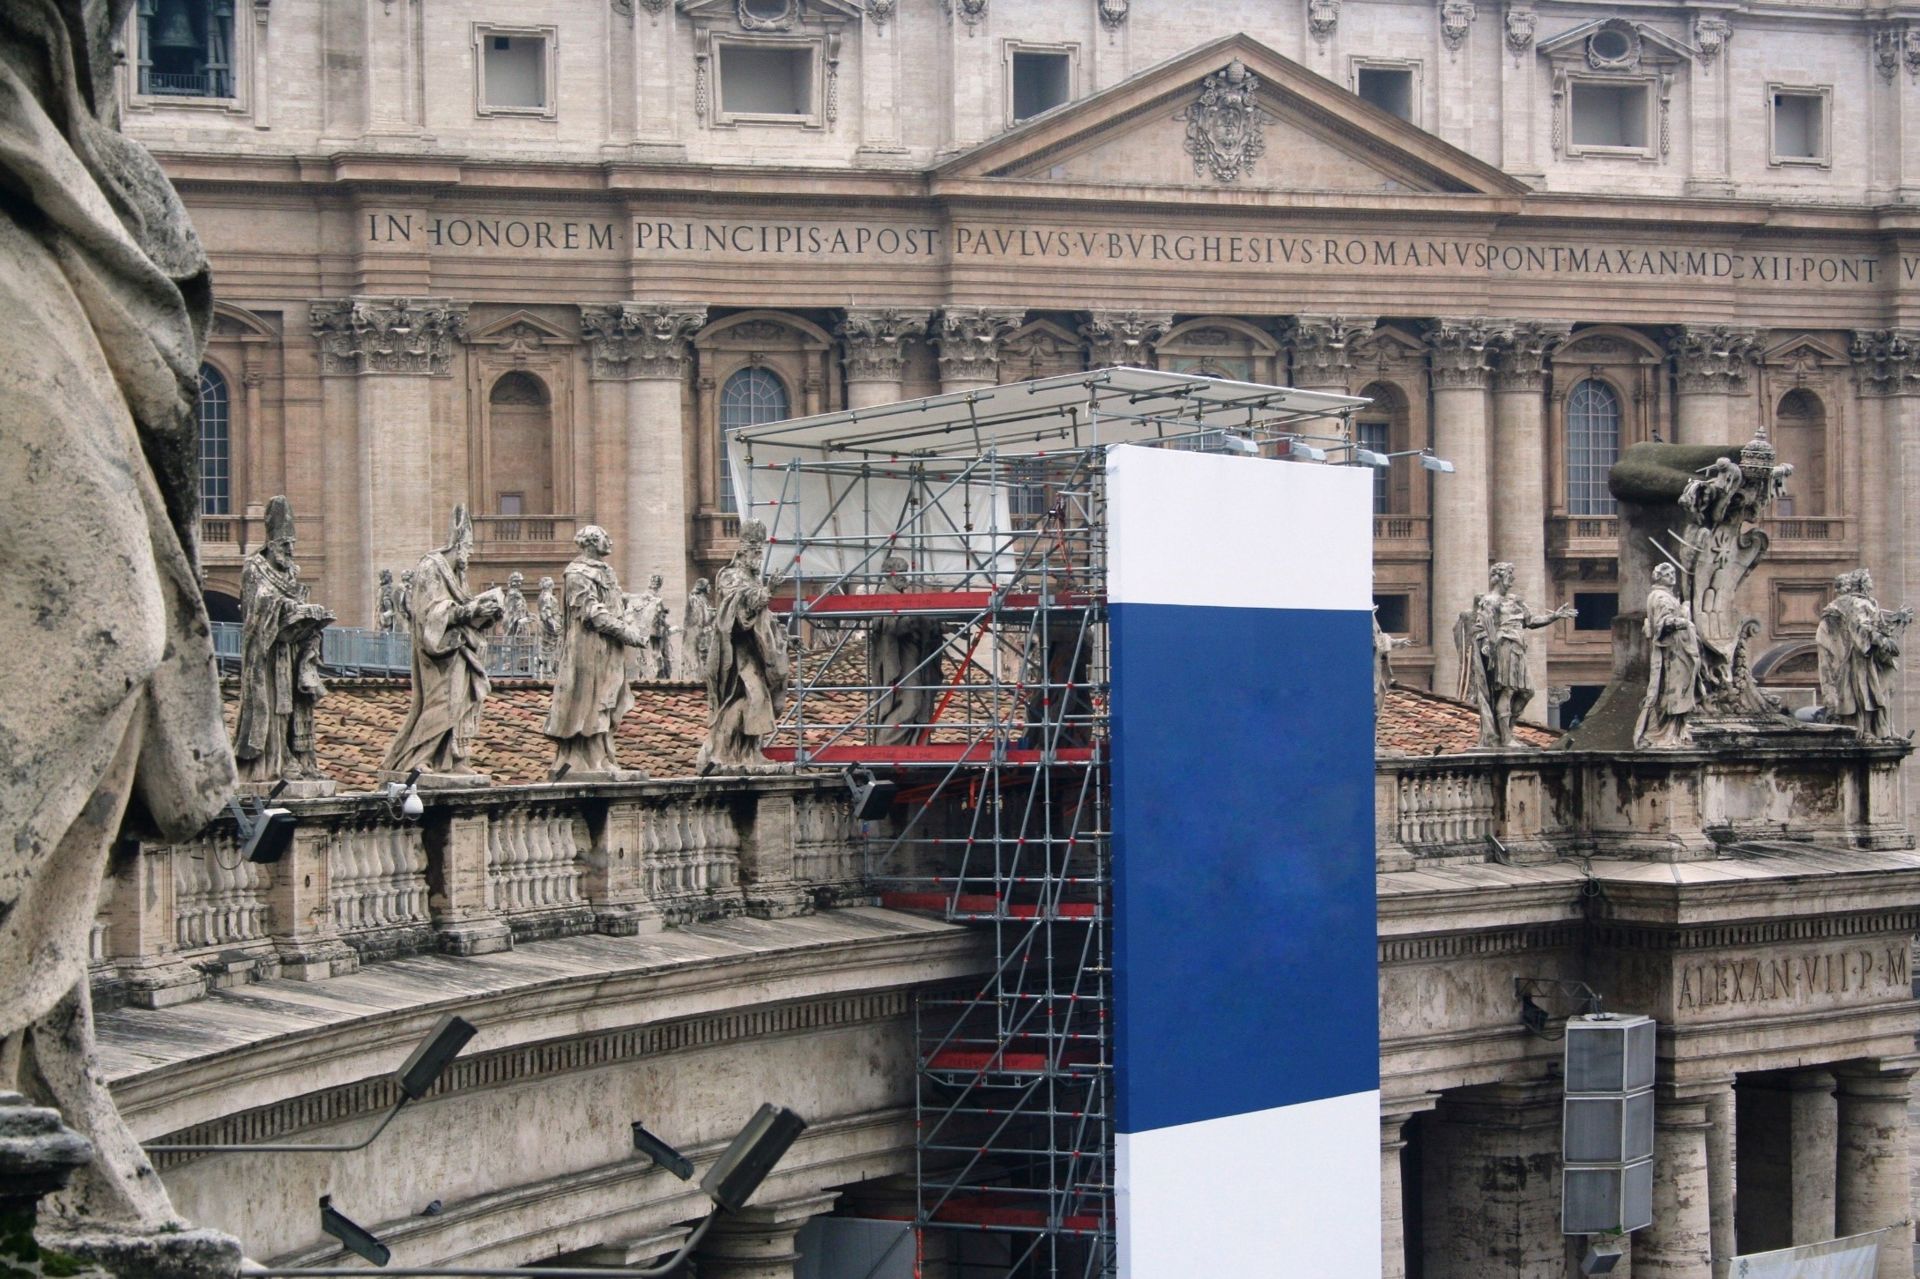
[(1886, 361), (968, 340), (1123, 337), (874, 340), (1322, 346), (364, 334), (1523, 350), (1713, 358), (1459, 350), (629, 340)]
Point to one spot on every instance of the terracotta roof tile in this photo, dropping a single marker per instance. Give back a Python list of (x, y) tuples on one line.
[(1416, 722)]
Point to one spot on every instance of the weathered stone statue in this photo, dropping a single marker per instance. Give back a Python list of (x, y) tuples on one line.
[(449, 672), (656, 631), (110, 689), (403, 602), (591, 694), (279, 665), (1497, 655), (696, 637), (515, 622), (1673, 673), (1383, 646), (904, 663), (384, 603), (552, 636), (1859, 646), (747, 664)]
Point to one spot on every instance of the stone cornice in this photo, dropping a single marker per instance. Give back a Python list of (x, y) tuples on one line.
[(1620, 935), (1887, 361), (1459, 351), (1123, 337), (1524, 350), (1713, 357), (968, 340), (387, 334), (629, 340), (875, 341)]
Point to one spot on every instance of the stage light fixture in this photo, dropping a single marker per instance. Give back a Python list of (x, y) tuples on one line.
[(661, 1153), (746, 1163), (357, 1239), (1367, 457), (1301, 451), (264, 834), (872, 796), (1601, 1258), (1240, 443), (1436, 464)]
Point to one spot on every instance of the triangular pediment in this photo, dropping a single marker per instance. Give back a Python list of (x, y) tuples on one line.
[(523, 328), (1652, 41), (774, 15), (1181, 122)]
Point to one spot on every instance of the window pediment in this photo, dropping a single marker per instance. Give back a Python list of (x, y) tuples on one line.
[(770, 15), (1617, 46)]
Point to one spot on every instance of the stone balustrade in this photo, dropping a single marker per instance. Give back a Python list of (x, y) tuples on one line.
[(479, 871)]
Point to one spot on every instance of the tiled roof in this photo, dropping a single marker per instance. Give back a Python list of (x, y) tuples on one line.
[(356, 722)]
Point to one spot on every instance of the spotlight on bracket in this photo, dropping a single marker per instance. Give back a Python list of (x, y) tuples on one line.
[(1367, 457), (1602, 1256), (872, 795), (1301, 451), (661, 1153), (1437, 464), (1240, 444), (264, 833), (357, 1239), (746, 1163)]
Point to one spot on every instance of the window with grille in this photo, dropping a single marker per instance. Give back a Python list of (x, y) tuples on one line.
[(1593, 446), (185, 48), (750, 397), (1376, 437), (216, 445)]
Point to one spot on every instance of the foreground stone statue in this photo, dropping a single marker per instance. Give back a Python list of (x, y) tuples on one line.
[(696, 635), (591, 694), (279, 666), (1497, 655), (449, 670), (110, 692), (1673, 671), (904, 664), (746, 667), (1859, 645)]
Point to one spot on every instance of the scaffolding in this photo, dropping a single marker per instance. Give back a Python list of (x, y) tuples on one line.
[(942, 565)]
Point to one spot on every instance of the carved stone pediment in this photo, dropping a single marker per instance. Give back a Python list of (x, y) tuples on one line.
[(771, 15), (1618, 46), (521, 333)]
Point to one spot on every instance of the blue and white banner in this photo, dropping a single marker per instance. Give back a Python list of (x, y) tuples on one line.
[(1246, 1021), (1854, 1257)]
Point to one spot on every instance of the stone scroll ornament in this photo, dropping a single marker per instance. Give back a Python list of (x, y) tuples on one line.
[(1225, 124), (591, 692), (747, 664), (280, 680), (1859, 644)]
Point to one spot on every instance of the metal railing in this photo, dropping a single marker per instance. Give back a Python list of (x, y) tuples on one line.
[(187, 84), (353, 650)]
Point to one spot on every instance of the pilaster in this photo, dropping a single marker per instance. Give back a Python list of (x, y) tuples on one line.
[(968, 339), (1123, 337), (1709, 90), (299, 902), (1460, 353), (463, 923), (1519, 91), (874, 343), (1711, 365), (1517, 485)]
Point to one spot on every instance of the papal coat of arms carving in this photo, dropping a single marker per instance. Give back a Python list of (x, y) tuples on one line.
[(1224, 126)]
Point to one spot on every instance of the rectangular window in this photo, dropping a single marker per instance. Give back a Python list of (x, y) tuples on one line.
[(1799, 127), (1595, 610), (1041, 82), (1609, 115), (1389, 88), (512, 503), (1392, 612), (766, 80), (515, 73), (1376, 437)]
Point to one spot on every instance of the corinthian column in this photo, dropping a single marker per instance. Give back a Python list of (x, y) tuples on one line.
[(968, 340), (1518, 483), (1320, 350), (1123, 337), (875, 351), (644, 347), (393, 347), (1459, 352), (1710, 365)]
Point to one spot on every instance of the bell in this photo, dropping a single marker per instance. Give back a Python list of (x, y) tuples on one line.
[(176, 28)]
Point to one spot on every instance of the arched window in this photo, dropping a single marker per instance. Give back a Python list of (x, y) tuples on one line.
[(1593, 446), (216, 444), (1800, 437), (750, 397)]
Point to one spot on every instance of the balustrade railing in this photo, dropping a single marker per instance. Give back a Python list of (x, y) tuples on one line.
[(1453, 806), (357, 651)]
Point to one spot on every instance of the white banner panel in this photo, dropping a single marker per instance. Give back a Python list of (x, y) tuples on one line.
[(1855, 1257)]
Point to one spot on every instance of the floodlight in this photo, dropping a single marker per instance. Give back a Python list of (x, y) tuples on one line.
[(264, 834), (358, 1239), (746, 1163), (420, 1070), (1439, 464), (1301, 451), (1601, 1258), (661, 1153), (1240, 443), (872, 796), (1367, 457)]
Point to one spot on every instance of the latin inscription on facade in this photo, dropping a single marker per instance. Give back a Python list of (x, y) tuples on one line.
[(1810, 977)]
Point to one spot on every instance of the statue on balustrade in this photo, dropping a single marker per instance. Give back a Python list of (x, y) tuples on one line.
[(1859, 646), (383, 603), (1673, 666), (1383, 646), (904, 664), (747, 665), (279, 665), (656, 632), (109, 692), (591, 694), (1497, 655), (514, 623), (696, 635), (552, 636), (449, 668), (402, 602)]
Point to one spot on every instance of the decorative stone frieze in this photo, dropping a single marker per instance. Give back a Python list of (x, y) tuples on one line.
[(1322, 346), (387, 334), (1323, 16), (1459, 352), (639, 340), (1520, 26), (1113, 13), (1710, 36), (875, 340), (1887, 361), (968, 340), (1713, 357), (1522, 351), (1225, 124), (1123, 337), (1456, 20)]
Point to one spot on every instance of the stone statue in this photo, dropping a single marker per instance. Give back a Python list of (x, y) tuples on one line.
[(904, 665), (403, 603), (746, 667), (279, 663), (1673, 674), (384, 603), (591, 694), (656, 631), (551, 634), (515, 623), (110, 691), (449, 672), (1497, 655), (696, 639), (1859, 646), (1383, 646)]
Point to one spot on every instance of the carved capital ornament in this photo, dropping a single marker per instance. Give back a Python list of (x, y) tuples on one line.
[(1459, 352), (968, 340), (1123, 337), (387, 334), (1713, 357), (1887, 361), (639, 340), (875, 340)]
